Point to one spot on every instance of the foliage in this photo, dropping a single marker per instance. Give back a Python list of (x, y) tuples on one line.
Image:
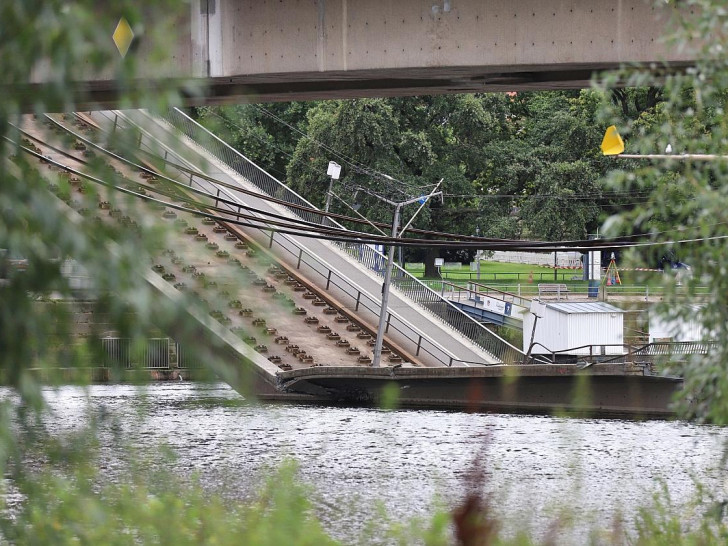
[(512, 165), (483, 145), (59, 497), (686, 200), (71, 507)]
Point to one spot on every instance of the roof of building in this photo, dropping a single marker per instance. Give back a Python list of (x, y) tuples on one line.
[(584, 307)]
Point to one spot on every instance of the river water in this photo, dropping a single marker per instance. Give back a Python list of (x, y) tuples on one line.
[(358, 460)]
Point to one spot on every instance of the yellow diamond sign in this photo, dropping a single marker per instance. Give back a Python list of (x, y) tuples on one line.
[(123, 36)]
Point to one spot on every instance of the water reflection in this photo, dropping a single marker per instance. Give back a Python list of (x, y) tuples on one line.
[(355, 457)]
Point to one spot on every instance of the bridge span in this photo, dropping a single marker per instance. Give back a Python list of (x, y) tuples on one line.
[(263, 286), (284, 50)]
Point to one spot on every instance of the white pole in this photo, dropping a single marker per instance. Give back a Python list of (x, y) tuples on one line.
[(679, 157)]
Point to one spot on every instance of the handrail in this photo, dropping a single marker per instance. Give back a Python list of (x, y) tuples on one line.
[(504, 296), (661, 348), (489, 289), (404, 282), (316, 265)]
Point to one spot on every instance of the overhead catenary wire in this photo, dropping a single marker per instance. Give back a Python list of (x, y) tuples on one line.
[(474, 242), (368, 239), (278, 220), (278, 201), (239, 189), (201, 176), (377, 225)]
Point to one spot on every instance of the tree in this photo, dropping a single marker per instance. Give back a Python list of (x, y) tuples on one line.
[(265, 133), (417, 141), (558, 211), (685, 201)]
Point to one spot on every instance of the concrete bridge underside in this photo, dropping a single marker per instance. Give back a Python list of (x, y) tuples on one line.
[(282, 50)]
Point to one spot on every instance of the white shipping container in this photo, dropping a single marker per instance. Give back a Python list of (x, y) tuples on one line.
[(690, 329), (569, 327)]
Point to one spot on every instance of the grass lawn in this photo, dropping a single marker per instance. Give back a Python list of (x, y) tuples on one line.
[(512, 276)]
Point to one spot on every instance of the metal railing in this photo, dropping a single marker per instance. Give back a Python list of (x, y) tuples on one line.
[(153, 356), (627, 352), (542, 276), (529, 291), (452, 291), (404, 282), (185, 361), (669, 348)]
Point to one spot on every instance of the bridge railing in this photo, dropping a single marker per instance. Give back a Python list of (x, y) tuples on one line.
[(404, 282), (630, 353), (669, 348), (455, 291), (154, 355), (245, 167)]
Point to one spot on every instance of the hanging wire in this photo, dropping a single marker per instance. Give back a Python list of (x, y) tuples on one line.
[(347, 236)]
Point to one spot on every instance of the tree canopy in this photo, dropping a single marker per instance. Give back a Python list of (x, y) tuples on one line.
[(512, 164)]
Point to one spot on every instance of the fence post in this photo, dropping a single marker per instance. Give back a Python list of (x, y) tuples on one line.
[(270, 242), (328, 280), (358, 297), (300, 255), (419, 343), (389, 317)]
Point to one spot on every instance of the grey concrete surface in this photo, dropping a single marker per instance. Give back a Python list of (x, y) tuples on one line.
[(265, 50)]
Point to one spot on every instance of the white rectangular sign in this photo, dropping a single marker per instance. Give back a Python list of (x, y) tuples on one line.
[(334, 170)]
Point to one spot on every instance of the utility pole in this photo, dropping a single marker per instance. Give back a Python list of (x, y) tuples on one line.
[(377, 357)]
